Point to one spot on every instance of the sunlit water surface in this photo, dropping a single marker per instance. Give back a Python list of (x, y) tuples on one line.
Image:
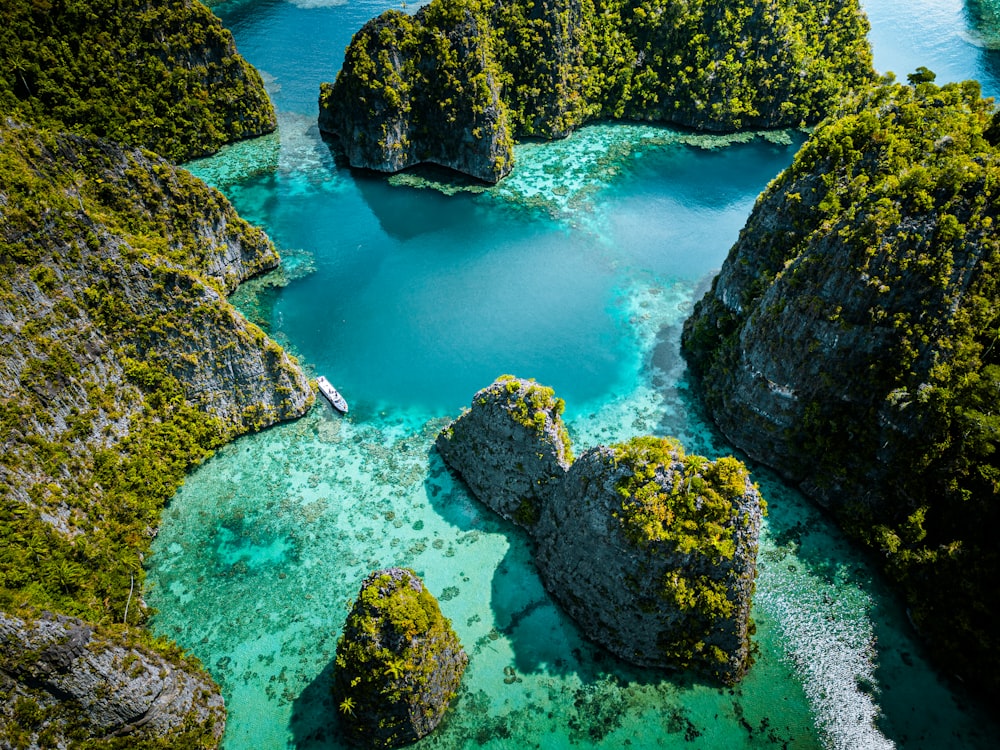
[(578, 271)]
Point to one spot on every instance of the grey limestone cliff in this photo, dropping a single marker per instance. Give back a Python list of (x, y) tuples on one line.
[(510, 447), (62, 678), (652, 552), (442, 111), (654, 556)]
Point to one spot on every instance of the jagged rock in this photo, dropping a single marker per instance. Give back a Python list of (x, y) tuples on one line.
[(60, 678), (420, 109), (453, 84), (849, 341), (510, 447), (399, 664), (654, 555)]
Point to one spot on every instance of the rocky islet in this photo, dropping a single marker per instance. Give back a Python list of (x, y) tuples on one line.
[(650, 551)]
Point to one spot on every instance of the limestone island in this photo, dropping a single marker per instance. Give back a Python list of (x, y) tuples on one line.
[(850, 341), (399, 664), (651, 551), (122, 364), (457, 82)]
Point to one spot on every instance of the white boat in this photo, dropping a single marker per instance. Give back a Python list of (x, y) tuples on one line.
[(332, 394)]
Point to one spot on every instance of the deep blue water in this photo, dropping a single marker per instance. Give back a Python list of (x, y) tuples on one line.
[(578, 270)]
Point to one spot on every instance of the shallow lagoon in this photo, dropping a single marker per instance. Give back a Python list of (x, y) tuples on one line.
[(578, 271)]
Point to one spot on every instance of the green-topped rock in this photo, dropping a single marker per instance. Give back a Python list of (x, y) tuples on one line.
[(850, 341), (454, 84), (654, 554), (399, 664), (510, 447)]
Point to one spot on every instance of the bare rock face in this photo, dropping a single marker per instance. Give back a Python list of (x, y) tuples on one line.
[(60, 678), (654, 554), (510, 447), (399, 663)]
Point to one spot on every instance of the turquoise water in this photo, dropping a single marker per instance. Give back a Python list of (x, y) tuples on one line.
[(579, 271)]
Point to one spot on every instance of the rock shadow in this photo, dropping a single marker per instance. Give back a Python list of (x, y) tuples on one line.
[(314, 724)]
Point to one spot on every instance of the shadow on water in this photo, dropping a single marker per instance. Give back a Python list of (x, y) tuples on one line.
[(314, 724)]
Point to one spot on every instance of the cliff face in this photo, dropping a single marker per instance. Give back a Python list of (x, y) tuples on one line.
[(163, 74), (121, 365), (545, 68), (399, 663), (653, 553), (61, 678), (510, 448), (397, 103), (848, 342)]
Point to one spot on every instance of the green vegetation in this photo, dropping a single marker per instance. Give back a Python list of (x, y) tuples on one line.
[(882, 236), (545, 67), (686, 501), (164, 74), (398, 663), (108, 312)]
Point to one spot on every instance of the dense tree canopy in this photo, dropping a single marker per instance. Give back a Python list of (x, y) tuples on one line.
[(162, 74)]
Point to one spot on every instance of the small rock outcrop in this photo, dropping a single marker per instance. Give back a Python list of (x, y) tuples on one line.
[(399, 664), (454, 84), (510, 447), (61, 678), (652, 552), (849, 341)]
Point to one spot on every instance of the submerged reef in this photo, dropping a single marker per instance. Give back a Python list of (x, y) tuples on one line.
[(652, 552), (455, 83), (61, 678), (162, 74), (399, 664), (849, 341)]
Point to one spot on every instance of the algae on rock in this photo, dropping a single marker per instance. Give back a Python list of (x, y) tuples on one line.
[(399, 664)]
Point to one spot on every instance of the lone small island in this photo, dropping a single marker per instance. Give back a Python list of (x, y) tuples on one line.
[(399, 664), (651, 551)]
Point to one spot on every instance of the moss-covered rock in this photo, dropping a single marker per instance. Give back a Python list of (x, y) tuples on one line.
[(399, 664), (453, 84), (652, 552), (510, 447), (62, 680), (163, 74), (849, 341)]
